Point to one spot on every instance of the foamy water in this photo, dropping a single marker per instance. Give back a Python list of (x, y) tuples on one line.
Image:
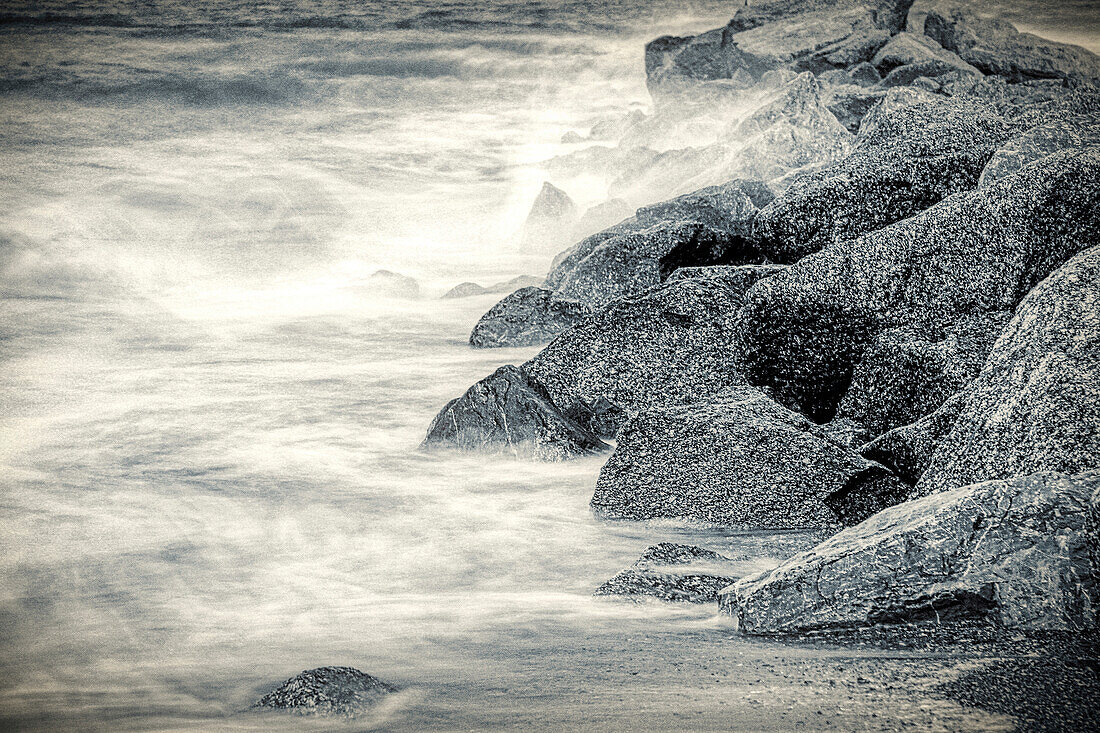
[(208, 463)]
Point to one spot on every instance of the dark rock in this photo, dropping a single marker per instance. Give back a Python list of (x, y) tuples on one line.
[(740, 277), (509, 412), (852, 103), (908, 450), (738, 459), (1010, 553), (806, 328), (527, 317), (864, 74), (906, 49), (903, 377), (386, 284), (550, 221), (907, 157), (468, 289), (327, 691), (701, 228), (671, 572), (1092, 532), (996, 47), (1036, 404), (673, 343)]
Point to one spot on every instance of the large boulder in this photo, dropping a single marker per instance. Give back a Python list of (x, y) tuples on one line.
[(783, 35), (907, 157), (671, 572), (906, 49), (1011, 553), (806, 328), (1036, 404), (673, 343), (508, 412), (528, 317), (551, 220), (738, 459), (343, 691), (908, 450), (903, 377), (1059, 132), (705, 227), (996, 47)]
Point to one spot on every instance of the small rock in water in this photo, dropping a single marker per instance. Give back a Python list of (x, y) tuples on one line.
[(649, 576), (391, 285), (327, 691)]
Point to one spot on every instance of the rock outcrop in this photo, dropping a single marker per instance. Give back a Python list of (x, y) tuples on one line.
[(1036, 404), (528, 317), (671, 572), (1012, 553), (738, 459), (996, 47), (508, 412), (469, 289), (341, 691), (806, 328), (550, 221)]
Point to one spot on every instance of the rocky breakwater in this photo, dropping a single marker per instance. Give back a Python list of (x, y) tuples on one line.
[(901, 339)]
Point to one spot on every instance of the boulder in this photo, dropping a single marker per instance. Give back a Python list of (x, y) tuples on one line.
[(674, 343), (902, 377), (1036, 404), (922, 74), (550, 221), (864, 75), (738, 459), (327, 691), (906, 49), (728, 274), (671, 572), (996, 47), (1010, 553), (387, 284), (1059, 132), (805, 329), (510, 412), (600, 217), (908, 156), (908, 450), (468, 289), (700, 228), (850, 104), (527, 317)]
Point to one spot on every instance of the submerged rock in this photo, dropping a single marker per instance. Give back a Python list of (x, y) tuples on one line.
[(738, 459), (996, 47), (1036, 404), (469, 289), (327, 691), (387, 284), (527, 317), (509, 412), (806, 328), (550, 221), (671, 572), (1011, 553)]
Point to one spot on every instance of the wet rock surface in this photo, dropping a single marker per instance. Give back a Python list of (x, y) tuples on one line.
[(1012, 553), (527, 317), (509, 412), (671, 572), (343, 691), (738, 459)]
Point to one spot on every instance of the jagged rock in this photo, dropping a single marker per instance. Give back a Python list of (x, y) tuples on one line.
[(907, 157), (527, 317), (550, 221), (921, 74), (1036, 404), (1061, 132), (865, 74), (906, 49), (671, 572), (851, 104), (673, 343), (979, 251), (600, 217), (739, 459), (908, 450), (703, 227), (996, 47), (903, 377), (510, 412), (860, 47), (785, 37), (387, 284), (1011, 553), (468, 289), (327, 691)]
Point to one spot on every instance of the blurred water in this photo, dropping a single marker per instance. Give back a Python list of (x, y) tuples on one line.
[(208, 425)]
